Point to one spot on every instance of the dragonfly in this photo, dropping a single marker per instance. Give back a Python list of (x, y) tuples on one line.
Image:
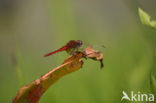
[(70, 47)]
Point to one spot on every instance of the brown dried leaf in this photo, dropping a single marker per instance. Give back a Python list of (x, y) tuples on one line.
[(94, 54), (32, 92)]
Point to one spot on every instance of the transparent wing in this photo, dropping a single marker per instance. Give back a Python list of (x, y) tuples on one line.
[(100, 48)]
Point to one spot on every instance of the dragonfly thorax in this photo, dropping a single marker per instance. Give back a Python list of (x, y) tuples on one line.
[(74, 44)]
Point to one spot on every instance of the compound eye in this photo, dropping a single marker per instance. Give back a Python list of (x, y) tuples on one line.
[(80, 42)]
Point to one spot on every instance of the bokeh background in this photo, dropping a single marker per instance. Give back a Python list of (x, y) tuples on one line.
[(31, 28)]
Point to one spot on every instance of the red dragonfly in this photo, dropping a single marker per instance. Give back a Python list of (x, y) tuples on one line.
[(71, 46)]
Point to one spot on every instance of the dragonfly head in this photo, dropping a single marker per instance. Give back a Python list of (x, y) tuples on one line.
[(79, 43)]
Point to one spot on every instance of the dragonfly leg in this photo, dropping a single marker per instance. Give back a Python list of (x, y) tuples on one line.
[(84, 56), (73, 51)]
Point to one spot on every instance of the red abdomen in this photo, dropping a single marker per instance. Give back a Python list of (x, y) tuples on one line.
[(59, 50)]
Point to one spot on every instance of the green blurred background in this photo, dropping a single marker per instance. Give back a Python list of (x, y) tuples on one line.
[(31, 28)]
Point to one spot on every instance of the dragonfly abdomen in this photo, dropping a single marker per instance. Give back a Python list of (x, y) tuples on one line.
[(59, 50)]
